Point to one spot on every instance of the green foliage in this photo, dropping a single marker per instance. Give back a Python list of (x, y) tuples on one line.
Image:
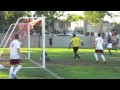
[(116, 27), (73, 18), (9, 17), (95, 17), (51, 17)]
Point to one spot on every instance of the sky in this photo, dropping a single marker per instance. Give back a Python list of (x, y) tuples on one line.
[(106, 17)]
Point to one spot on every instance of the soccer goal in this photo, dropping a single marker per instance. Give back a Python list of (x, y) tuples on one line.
[(23, 27), (6, 35)]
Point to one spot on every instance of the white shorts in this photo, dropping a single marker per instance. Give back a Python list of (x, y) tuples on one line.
[(109, 45)]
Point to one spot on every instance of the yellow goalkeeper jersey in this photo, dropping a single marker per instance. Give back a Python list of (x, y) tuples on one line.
[(75, 41)]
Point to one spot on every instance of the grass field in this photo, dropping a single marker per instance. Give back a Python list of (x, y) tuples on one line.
[(63, 66)]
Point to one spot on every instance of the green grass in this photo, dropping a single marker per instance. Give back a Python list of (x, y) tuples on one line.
[(63, 65)]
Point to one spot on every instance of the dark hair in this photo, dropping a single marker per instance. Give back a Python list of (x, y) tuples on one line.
[(16, 36), (99, 34), (74, 35)]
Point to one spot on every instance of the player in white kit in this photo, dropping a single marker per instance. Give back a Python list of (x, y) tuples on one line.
[(99, 48), (15, 57)]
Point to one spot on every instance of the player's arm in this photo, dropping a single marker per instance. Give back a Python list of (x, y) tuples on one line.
[(70, 44), (18, 50), (96, 43), (81, 42), (19, 53)]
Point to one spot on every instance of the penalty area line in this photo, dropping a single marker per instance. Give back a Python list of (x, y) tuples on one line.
[(46, 69)]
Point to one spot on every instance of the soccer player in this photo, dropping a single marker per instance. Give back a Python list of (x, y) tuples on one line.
[(109, 45), (76, 42), (117, 36), (99, 48), (15, 57)]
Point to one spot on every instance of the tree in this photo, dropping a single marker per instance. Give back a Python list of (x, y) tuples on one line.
[(116, 27), (51, 17), (96, 17), (9, 17), (73, 18)]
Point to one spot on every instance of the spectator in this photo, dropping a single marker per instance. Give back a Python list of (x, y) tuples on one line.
[(50, 41), (117, 36)]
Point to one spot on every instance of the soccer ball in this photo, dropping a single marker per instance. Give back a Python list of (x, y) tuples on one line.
[(1, 66)]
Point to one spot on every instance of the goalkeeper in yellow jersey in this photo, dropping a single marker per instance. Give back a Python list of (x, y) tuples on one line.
[(75, 41)]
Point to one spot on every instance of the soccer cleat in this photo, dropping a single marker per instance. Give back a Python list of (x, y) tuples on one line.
[(74, 57), (47, 59), (97, 61), (14, 76)]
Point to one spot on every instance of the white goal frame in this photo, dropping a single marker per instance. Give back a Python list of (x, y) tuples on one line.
[(43, 39)]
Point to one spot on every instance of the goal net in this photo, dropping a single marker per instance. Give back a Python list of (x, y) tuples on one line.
[(23, 27)]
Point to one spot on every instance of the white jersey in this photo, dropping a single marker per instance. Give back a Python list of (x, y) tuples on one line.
[(117, 36), (99, 45), (95, 34), (106, 34), (110, 33), (15, 44)]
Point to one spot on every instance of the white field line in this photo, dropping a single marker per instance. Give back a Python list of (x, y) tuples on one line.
[(46, 69)]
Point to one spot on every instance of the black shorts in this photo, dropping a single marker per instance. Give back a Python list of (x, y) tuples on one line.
[(15, 61), (99, 51), (75, 49)]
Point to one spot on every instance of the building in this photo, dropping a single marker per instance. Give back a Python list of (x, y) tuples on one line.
[(81, 26)]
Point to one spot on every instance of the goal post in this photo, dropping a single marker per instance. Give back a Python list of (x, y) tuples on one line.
[(43, 40), (31, 22), (3, 40)]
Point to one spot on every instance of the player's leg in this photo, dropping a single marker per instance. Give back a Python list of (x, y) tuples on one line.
[(16, 70), (109, 46), (109, 49), (74, 50), (114, 47), (46, 57), (19, 66), (11, 68), (11, 71), (102, 56), (77, 53), (96, 56)]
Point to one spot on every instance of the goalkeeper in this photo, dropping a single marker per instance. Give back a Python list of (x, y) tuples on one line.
[(75, 41), (46, 56)]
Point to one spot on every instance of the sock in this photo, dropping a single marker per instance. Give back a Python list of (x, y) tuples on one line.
[(17, 69), (96, 56), (11, 71), (110, 52), (74, 56), (103, 57), (78, 56)]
